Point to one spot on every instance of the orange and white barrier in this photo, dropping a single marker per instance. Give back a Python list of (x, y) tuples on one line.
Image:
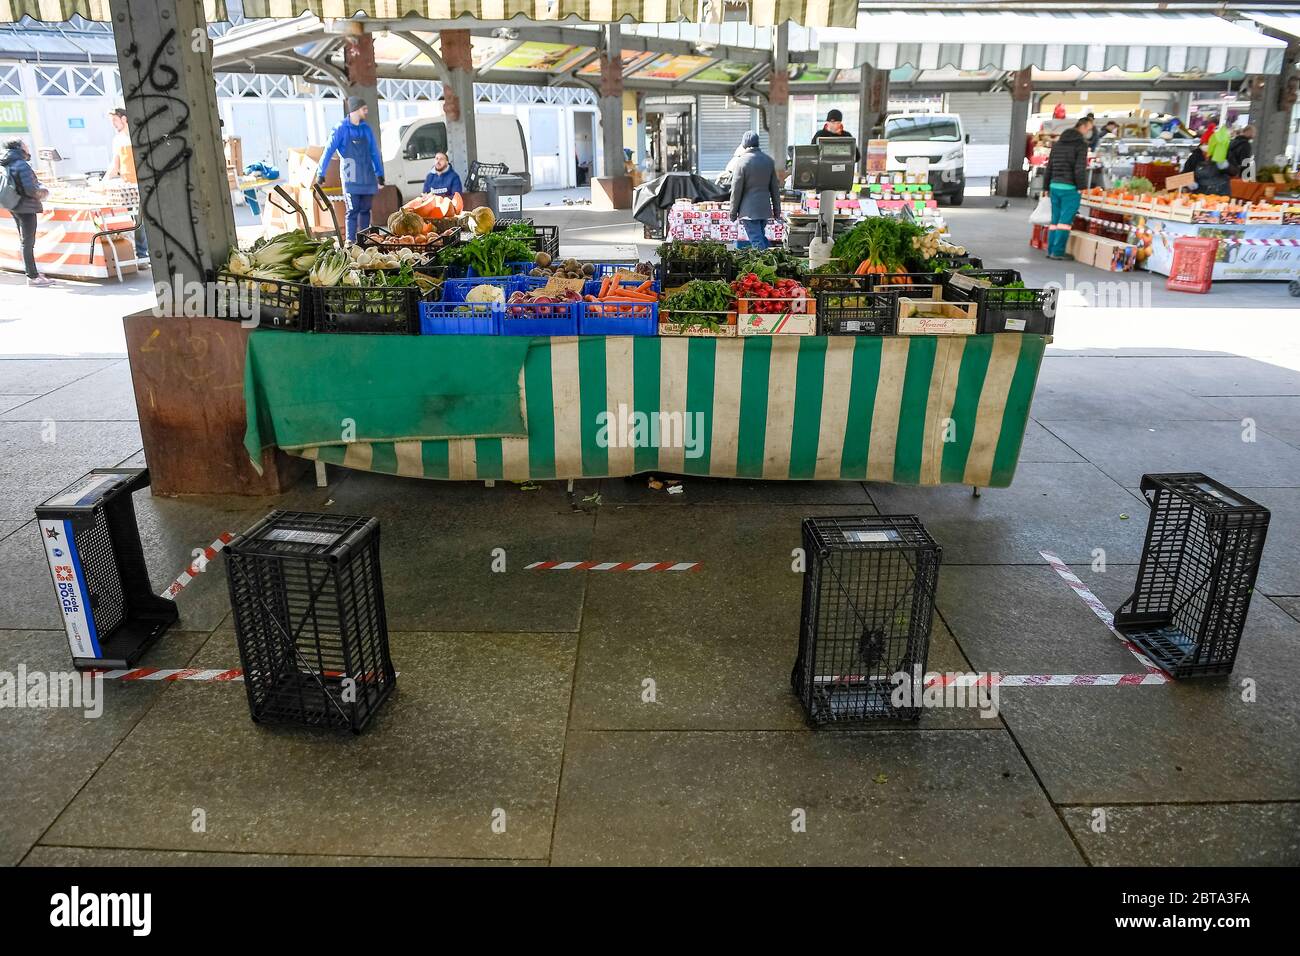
[(63, 234)]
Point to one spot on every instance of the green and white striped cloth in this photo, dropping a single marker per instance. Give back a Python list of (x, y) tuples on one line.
[(921, 410)]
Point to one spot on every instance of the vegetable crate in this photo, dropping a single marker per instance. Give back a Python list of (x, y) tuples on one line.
[(455, 290), (460, 318), (618, 318), (308, 603), (1196, 575), (379, 310), (377, 237), (540, 318), (867, 611), (853, 312), (1003, 309), (696, 323), (793, 316), (266, 303), (675, 272), (835, 282), (916, 285), (592, 286), (545, 238), (951, 263)]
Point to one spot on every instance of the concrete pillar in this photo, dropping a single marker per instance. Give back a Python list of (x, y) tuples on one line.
[(613, 188), (1014, 180), (873, 105), (778, 98), (359, 64), (171, 106), (458, 99), (1271, 101)]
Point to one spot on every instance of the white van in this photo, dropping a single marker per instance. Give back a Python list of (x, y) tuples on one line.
[(408, 147), (940, 139)]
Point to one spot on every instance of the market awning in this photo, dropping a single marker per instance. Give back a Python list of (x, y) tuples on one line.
[(1279, 21), (1056, 40), (761, 13)]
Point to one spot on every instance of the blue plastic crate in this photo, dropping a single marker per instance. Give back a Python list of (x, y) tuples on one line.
[(455, 290), (541, 318), (460, 318), (619, 318), (515, 269), (592, 286), (609, 268)]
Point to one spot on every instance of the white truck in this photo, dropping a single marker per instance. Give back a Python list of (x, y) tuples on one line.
[(939, 138), (408, 147)]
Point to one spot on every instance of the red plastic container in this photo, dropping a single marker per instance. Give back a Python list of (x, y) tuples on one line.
[(1193, 268), (1038, 238)]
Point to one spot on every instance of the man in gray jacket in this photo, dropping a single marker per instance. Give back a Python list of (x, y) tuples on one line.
[(755, 191)]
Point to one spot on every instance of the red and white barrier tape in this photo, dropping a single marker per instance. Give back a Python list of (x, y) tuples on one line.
[(1102, 612), (195, 569), (613, 566), (1020, 680), (175, 673)]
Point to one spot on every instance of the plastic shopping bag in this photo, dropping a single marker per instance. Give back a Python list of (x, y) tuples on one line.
[(1042, 214)]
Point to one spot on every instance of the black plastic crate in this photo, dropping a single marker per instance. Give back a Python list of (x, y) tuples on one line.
[(377, 237), (1004, 309), (953, 263), (371, 310), (269, 303), (1199, 561), (669, 281), (835, 281), (545, 238), (308, 603), (849, 312), (915, 285), (868, 607)]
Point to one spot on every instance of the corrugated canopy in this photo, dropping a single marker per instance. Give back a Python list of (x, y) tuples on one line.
[(970, 40), (762, 13), (1278, 21)]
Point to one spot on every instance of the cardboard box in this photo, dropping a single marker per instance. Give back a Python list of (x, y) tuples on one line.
[(125, 249), (275, 221), (952, 318), (303, 162), (767, 323)]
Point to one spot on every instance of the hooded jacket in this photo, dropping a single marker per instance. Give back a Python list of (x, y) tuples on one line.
[(360, 164), (25, 181), (1068, 162)]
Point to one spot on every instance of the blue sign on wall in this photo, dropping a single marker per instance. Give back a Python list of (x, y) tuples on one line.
[(76, 122)]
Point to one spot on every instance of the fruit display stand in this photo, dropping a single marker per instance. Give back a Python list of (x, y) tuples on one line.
[(464, 407), (66, 246), (1257, 241)]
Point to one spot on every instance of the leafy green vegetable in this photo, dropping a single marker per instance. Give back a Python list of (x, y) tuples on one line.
[(487, 255), (771, 264), (699, 303), (879, 239), (703, 251)]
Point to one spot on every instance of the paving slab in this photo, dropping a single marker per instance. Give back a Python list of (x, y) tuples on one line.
[(83, 857), (1041, 445), (105, 395), (1289, 604), (38, 376), (43, 457), (1242, 834), (731, 491), (437, 541), (1025, 619), (454, 744), (1193, 741), (49, 754), (1279, 570), (8, 527), (1278, 416), (1233, 375), (1067, 508), (1112, 389), (911, 797), (1144, 445), (13, 401)]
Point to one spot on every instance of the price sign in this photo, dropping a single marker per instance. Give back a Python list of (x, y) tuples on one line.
[(1181, 180)]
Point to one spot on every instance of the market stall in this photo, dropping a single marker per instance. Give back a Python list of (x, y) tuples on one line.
[(1120, 230), (714, 361), (66, 243)]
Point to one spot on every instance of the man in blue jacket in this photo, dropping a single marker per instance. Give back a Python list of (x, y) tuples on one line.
[(360, 166), (442, 179)]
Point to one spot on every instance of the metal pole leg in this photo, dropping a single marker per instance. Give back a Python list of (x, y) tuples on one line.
[(975, 490)]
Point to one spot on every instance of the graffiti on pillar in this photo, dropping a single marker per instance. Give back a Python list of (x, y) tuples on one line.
[(162, 149), (611, 75)]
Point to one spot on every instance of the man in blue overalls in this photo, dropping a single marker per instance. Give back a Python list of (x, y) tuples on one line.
[(360, 166), (442, 179)]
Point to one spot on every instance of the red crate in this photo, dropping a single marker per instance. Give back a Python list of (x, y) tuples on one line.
[(1193, 268), (1038, 238)]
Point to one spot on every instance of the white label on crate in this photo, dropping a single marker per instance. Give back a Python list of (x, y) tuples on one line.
[(70, 587), (1016, 325), (83, 492), (509, 203), (870, 537), (853, 326), (301, 537), (965, 283)]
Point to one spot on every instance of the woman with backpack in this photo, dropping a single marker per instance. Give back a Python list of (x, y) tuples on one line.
[(21, 193)]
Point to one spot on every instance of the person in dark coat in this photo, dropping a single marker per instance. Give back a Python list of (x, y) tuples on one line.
[(1067, 174), (755, 191), (17, 160), (1240, 150)]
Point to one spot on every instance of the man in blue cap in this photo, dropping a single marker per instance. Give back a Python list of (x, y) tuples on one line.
[(360, 166)]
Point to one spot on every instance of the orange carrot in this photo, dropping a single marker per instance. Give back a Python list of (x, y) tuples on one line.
[(604, 287), (645, 286)]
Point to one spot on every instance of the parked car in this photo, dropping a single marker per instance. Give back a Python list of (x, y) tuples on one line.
[(940, 139), (408, 147)]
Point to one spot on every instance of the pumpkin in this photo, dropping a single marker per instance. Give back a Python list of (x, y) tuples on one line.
[(484, 220), (404, 222), (457, 204)]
